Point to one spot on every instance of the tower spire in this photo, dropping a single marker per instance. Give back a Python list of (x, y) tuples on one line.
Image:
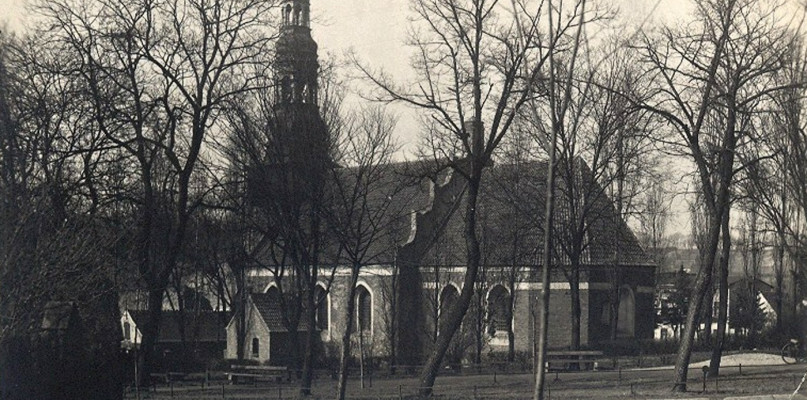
[(302, 135), (296, 62)]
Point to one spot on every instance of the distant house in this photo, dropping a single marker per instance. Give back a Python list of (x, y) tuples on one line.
[(765, 296), (62, 327), (665, 292), (203, 331)]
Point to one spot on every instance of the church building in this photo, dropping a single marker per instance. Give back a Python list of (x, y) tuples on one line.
[(417, 268)]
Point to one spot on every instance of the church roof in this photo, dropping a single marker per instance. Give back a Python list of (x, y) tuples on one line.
[(510, 214), (510, 218)]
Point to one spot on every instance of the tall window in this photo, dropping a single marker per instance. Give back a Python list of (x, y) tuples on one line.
[(627, 313), (287, 14), (498, 310), (321, 297), (448, 297), (297, 14), (256, 348), (364, 310), (127, 328)]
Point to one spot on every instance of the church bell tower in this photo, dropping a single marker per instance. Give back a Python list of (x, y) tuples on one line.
[(303, 139), (296, 65)]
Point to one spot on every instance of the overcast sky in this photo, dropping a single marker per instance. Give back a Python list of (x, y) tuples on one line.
[(376, 30)]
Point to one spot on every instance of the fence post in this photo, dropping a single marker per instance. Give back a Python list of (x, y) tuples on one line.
[(741, 369), (280, 392), (400, 393), (619, 377), (705, 370), (222, 391)]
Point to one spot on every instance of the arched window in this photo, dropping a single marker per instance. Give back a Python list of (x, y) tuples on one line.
[(605, 314), (364, 308), (499, 317), (448, 297), (297, 11), (256, 348), (127, 328), (305, 98), (321, 297), (285, 89), (626, 325), (287, 14), (273, 292)]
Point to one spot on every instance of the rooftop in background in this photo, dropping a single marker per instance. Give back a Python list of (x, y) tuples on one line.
[(200, 326)]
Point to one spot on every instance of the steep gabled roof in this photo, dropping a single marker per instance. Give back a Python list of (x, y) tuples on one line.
[(510, 222), (271, 312)]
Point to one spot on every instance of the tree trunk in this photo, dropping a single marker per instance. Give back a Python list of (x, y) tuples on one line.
[(294, 348), (543, 321), (723, 305), (349, 322), (150, 330), (613, 305), (479, 332), (780, 281), (308, 355), (688, 333), (511, 337), (574, 290), (453, 320), (719, 204), (361, 356), (240, 314), (392, 328), (708, 304)]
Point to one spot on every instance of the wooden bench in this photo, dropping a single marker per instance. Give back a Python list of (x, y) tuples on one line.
[(567, 358), (167, 377), (253, 373)]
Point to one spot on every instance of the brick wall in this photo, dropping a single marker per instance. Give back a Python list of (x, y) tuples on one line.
[(376, 341), (525, 314)]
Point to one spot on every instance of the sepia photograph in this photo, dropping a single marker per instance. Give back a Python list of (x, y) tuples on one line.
[(403, 199)]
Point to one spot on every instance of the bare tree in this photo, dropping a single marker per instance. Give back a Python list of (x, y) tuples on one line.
[(602, 149), (773, 184), (158, 74), (653, 220), (283, 152), (362, 194), (713, 70), (471, 82), (55, 238)]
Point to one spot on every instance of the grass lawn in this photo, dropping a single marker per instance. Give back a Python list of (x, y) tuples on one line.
[(639, 384)]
